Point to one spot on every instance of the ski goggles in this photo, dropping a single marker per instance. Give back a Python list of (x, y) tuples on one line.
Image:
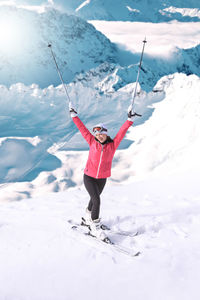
[(99, 130)]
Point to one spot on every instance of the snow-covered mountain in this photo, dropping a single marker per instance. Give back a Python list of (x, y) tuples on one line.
[(78, 48), (25, 57), (117, 10), (37, 129), (116, 76), (189, 61), (134, 10)]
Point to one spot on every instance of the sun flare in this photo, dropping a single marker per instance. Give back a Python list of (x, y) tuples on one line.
[(10, 35)]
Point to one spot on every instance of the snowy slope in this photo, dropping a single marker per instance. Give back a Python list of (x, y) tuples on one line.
[(41, 258), (134, 10), (24, 54), (170, 140)]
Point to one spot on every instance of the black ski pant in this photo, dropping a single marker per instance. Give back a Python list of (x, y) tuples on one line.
[(94, 187)]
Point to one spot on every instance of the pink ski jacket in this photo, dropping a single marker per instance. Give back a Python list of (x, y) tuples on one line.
[(100, 155)]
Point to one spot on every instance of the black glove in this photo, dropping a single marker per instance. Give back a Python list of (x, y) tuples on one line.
[(73, 113), (132, 114)]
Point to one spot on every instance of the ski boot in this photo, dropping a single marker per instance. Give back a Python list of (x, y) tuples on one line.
[(97, 231), (86, 220)]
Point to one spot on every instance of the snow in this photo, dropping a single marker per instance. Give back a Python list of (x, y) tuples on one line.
[(132, 9), (42, 258), (179, 130), (184, 11), (82, 5)]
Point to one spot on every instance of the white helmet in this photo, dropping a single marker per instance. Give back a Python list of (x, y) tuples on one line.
[(100, 128)]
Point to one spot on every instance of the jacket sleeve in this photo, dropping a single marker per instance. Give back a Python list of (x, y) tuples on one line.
[(121, 133), (83, 130)]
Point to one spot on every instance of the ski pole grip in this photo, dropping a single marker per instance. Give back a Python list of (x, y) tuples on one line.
[(135, 114), (138, 115)]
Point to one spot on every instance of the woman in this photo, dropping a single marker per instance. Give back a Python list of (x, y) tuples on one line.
[(98, 166)]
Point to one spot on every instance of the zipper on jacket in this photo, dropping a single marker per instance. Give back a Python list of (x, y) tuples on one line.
[(100, 161)]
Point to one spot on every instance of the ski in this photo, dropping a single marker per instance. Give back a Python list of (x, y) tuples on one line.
[(110, 230), (84, 231), (120, 232)]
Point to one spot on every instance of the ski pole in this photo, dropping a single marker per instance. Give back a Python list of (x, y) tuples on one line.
[(68, 98), (138, 74)]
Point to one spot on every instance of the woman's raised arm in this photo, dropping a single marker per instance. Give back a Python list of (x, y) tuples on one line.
[(83, 130)]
